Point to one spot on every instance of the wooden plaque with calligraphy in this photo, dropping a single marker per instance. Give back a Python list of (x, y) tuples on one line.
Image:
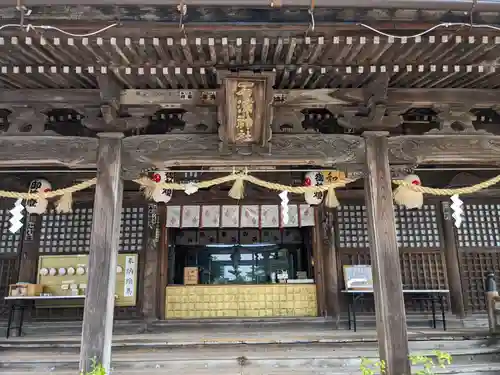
[(245, 110)]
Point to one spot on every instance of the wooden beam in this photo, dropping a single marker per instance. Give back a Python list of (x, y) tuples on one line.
[(177, 149), (388, 287), (97, 327), (471, 148), (164, 151), (35, 151), (418, 98), (53, 97)]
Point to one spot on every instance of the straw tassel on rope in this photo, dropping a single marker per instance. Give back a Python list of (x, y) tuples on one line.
[(405, 196), (331, 200), (238, 189), (64, 204)]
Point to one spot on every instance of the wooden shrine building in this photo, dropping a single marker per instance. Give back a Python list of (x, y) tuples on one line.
[(373, 90)]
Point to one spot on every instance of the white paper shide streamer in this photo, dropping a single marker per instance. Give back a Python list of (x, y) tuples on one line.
[(284, 207), (16, 219), (458, 211)]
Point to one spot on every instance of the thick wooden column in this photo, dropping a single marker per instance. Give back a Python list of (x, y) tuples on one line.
[(162, 265), (332, 289), (149, 297), (452, 263), (97, 327), (388, 288), (29, 251), (319, 262)]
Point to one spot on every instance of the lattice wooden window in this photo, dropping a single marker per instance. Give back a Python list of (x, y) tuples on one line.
[(474, 266), (418, 270), (9, 243), (352, 226), (480, 226), (132, 229), (417, 228), (66, 233), (414, 228), (8, 275), (70, 233)]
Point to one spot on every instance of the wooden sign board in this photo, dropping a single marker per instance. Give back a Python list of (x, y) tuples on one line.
[(358, 277), (191, 275), (68, 278), (333, 176), (245, 112)]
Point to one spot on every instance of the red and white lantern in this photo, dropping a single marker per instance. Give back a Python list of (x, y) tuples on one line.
[(38, 206), (159, 194), (314, 179), (405, 196)]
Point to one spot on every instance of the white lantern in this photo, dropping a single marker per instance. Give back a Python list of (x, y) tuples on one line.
[(159, 194), (314, 179), (38, 206)]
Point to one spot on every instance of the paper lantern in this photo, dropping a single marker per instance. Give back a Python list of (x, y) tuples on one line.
[(314, 179), (405, 196), (159, 194), (38, 206)]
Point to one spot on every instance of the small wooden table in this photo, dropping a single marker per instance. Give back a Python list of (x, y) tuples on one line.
[(20, 303), (430, 295)]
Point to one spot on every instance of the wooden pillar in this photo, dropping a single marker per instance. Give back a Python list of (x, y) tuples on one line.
[(332, 289), (29, 251), (452, 263), (97, 327), (162, 260), (388, 287), (318, 253), (150, 295)]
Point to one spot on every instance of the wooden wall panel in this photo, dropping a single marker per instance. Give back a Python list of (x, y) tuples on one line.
[(419, 235)]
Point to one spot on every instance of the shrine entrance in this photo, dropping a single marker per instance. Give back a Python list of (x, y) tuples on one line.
[(249, 268)]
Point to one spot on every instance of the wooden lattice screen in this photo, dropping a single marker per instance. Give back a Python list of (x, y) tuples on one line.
[(70, 234), (419, 238), (9, 250), (478, 241)]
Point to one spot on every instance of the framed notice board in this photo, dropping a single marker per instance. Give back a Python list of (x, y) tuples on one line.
[(358, 277), (63, 275)]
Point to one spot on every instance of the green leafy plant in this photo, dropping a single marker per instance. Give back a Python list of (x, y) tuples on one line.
[(428, 364), (97, 369)]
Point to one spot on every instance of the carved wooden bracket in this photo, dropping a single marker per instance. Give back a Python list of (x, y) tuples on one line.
[(99, 121), (373, 114), (26, 120), (200, 119), (245, 110), (454, 122), (287, 120)]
